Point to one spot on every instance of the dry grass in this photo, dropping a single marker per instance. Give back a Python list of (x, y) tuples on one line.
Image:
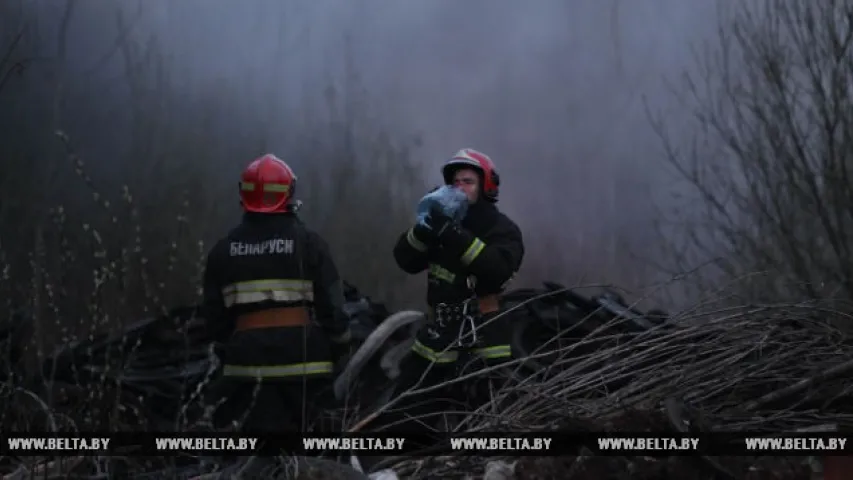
[(88, 244), (754, 368)]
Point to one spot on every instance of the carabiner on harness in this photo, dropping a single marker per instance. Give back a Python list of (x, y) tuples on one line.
[(467, 320), (461, 314)]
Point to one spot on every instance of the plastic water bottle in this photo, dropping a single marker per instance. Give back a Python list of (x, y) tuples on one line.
[(449, 200)]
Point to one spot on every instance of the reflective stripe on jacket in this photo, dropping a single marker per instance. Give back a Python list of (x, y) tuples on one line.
[(271, 263), (267, 290), (477, 258), (278, 371)]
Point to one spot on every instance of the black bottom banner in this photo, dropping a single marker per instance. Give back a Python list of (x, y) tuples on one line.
[(498, 444)]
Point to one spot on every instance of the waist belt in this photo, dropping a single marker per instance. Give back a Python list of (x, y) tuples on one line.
[(485, 305), (488, 304), (446, 315), (273, 318)]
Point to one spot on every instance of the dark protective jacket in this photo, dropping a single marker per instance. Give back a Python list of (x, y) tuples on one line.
[(479, 259), (274, 261)]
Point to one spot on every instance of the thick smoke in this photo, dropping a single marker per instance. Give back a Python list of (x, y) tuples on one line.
[(553, 90)]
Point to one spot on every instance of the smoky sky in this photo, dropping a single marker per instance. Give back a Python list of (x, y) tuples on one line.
[(553, 90)]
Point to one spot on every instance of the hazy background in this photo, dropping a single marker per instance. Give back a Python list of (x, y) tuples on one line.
[(124, 126), (365, 99)]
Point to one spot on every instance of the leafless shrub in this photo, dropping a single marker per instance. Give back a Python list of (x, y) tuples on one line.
[(136, 247), (769, 169), (88, 246), (723, 364)]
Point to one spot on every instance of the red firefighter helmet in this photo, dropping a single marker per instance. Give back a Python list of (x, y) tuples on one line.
[(267, 185), (479, 161)]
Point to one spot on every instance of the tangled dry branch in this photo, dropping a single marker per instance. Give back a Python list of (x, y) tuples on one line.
[(759, 368), (756, 368)]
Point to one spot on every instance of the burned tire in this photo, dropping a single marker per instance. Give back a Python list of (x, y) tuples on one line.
[(376, 348), (538, 345), (550, 324)]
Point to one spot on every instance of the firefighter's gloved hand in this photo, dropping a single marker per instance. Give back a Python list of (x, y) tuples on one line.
[(445, 229), (438, 222), (424, 234)]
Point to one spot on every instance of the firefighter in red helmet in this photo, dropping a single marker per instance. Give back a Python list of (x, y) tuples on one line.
[(469, 265), (262, 283)]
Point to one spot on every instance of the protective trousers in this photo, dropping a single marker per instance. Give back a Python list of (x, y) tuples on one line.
[(455, 330), (429, 365), (424, 411), (294, 405)]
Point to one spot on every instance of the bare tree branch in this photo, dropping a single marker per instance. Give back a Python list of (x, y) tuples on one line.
[(771, 161)]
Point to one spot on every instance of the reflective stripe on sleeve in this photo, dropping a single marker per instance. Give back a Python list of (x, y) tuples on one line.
[(441, 273), (414, 242), (276, 289), (278, 371), (473, 251)]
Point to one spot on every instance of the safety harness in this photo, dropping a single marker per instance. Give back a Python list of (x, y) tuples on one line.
[(462, 314), (462, 317)]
